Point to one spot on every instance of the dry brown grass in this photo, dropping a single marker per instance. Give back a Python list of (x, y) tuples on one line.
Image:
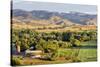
[(45, 26), (29, 61)]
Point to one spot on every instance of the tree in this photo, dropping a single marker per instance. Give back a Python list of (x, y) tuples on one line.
[(16, 40), (41, 45), (52, 48), (64, 44), (75, 42), (92, 35), (67, 36), (18, 44), (58, 36)]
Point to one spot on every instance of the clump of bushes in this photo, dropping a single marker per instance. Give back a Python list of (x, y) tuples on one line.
[(75, 43), (50, 56), (15, 61), (64, 44), (76, 59)]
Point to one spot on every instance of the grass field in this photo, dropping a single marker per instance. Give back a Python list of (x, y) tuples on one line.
[(89, 51), (88, 55)]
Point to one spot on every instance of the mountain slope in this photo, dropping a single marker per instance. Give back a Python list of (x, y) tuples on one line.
[(74, 17)]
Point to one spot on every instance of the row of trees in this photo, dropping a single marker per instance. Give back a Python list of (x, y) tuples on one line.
[(48, 42)]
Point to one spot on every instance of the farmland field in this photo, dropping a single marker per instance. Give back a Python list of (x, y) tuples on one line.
[(89, 52)]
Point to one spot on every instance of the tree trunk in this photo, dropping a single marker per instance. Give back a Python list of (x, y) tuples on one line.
[(18, 48)]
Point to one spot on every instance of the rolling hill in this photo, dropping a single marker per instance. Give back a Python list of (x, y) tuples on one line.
[(73, 17)]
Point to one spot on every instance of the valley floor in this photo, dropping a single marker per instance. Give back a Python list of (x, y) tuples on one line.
[(87, 53)]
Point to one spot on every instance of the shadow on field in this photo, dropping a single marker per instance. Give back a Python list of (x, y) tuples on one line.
[(86, 47)]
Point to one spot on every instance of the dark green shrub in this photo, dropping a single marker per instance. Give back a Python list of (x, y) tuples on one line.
[(15, 61)]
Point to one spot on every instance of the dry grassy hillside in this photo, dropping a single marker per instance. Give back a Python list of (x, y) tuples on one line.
[(53, 24)]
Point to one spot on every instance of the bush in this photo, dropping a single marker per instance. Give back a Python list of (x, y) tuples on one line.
[(75, 43), (50, 56), (52, 48), (15, 61), (76, 60), (64, 44)]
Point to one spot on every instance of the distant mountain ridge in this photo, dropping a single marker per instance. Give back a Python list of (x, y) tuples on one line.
[(75, 17)]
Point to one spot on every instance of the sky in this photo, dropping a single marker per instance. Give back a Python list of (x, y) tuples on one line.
[(54, 7)]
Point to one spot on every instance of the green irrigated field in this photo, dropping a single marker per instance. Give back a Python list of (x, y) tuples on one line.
[(88, 54), (89, 51)]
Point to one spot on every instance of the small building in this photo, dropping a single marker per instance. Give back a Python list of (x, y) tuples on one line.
[(33, 53)]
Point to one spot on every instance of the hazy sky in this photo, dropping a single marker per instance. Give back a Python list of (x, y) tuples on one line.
[(58, 7)]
